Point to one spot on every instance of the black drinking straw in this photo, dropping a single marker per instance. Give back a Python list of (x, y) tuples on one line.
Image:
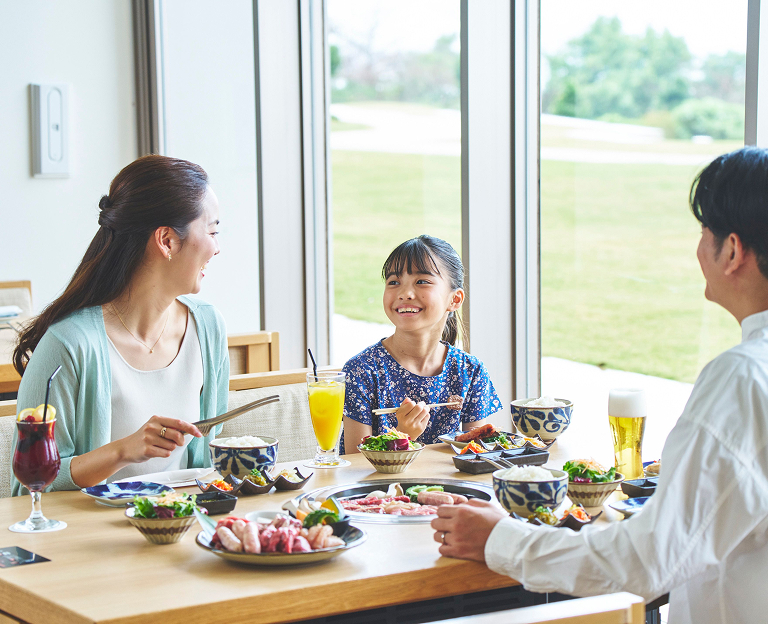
[(48, 390), (314, 364)]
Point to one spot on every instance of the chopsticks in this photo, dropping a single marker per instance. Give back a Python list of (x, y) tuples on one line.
[(392, 410), (205, 426)]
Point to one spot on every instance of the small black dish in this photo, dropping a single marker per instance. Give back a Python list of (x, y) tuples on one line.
[(281, 483), (529, 456), (341, 527), (216, 502), (635, 488)]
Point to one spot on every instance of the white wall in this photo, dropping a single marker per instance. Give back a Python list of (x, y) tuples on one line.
[(46, 224), (210, 118)]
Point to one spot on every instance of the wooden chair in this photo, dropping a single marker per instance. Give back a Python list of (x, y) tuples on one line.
[(254, 353), (17, 293), (620, 608), (7, 425), (288, 420)]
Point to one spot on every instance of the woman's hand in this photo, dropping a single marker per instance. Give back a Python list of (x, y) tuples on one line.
[(101, 463), (412, 418), (463, 530), (158, 437)]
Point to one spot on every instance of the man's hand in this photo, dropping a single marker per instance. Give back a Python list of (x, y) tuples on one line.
[(463, 530), (412, 418)]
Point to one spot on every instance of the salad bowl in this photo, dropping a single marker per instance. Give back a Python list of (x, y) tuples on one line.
[(161, 530), (391, 462)]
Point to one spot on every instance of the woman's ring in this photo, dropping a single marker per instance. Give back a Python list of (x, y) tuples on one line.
[(162, 432), (442, 539)]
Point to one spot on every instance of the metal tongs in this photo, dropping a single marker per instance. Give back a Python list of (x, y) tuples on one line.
[(205, 426)]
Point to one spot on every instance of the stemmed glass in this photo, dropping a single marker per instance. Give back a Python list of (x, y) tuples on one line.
[(326, 407), (36, 463)]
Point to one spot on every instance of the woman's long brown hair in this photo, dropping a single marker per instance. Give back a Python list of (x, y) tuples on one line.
[(152, 192)]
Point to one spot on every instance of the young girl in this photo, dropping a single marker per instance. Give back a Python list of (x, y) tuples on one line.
[(419, 364)]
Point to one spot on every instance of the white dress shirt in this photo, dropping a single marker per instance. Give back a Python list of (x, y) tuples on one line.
[(703, 536)]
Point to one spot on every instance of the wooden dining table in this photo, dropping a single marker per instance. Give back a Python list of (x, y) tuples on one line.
[(102, 569)]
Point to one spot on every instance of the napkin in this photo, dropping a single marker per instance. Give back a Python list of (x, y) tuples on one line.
[(10, 311), (174, 478)]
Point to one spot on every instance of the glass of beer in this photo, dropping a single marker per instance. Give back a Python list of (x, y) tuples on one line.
[(326, 408), (626, 415)]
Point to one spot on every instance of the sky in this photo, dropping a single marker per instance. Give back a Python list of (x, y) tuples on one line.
[(416, 24)]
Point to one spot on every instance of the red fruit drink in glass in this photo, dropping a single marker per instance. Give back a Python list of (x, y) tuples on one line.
[(36, 461)]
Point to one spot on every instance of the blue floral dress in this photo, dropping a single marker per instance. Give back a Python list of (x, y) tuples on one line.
[(375, 380)]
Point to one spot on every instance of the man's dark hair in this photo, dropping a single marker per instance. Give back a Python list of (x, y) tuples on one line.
[(731, 196)]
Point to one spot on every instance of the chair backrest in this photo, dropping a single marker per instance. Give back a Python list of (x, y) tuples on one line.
[(620, 608), (17, 293), (288, 420), (254, 353), (7, 423)]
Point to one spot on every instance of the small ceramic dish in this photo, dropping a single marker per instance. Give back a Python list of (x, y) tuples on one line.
[(161, 530), (635, 488), (250, 488), (547, 422), (216, 502), (650, 469), (281, 483), (210, 487), (631, 506), (119, 494), (569, 522)]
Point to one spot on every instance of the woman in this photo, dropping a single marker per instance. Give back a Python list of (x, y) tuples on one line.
[(140, 361)]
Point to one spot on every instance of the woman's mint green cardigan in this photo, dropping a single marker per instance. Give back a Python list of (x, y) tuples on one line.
[(82, 391)]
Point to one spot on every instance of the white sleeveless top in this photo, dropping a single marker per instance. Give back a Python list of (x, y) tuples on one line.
[(173, 391)]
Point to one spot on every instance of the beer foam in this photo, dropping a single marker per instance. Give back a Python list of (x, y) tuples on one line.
[(627, 403)]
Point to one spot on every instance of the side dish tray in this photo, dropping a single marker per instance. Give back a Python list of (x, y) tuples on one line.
[(473, 464)]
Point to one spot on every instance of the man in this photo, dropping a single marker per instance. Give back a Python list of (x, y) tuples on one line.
[(703, 536)]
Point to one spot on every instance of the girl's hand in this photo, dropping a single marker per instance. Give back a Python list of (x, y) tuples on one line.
[(148, 442), (412, 418)]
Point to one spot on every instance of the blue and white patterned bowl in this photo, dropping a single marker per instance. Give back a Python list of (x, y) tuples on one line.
[(546, 422), (239, 461), (523, 497)]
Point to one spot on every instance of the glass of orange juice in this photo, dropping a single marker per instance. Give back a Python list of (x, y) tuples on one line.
[(326, 407)]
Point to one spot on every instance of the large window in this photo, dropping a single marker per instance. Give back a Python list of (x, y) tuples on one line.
[(395, 147), (635, 101)]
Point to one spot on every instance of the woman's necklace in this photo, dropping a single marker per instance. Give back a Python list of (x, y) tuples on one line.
[(152, 348)]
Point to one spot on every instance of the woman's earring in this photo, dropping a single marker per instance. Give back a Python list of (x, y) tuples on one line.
[(169, 256)]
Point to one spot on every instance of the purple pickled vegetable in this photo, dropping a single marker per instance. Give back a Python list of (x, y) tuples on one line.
[(582, 480), (164, 512), (399, 444)]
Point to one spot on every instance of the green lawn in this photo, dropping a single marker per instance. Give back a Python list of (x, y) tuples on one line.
[(620, 283)]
